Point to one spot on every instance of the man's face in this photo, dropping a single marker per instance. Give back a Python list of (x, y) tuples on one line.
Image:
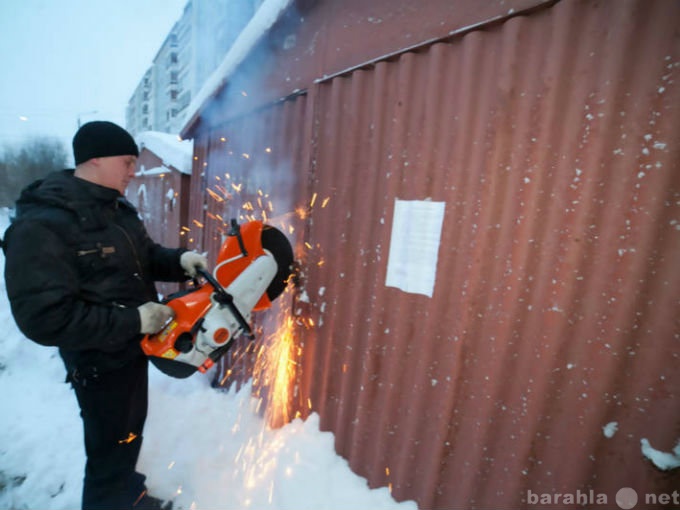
[(116, 172)]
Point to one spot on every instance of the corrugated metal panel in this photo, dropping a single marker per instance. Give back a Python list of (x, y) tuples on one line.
[(313, 39), (251, 171), (197, 204), (551, 138), (162, 201)]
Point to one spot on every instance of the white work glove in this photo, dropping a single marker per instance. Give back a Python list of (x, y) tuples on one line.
[(153, 316), (190, 260)]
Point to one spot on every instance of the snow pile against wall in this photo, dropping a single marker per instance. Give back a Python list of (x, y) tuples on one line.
[(169, 148)]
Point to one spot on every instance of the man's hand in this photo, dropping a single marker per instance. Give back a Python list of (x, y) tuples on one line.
[(190, 260), (154, 316)]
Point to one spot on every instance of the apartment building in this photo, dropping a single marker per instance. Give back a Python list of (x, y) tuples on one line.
[(192, 50)]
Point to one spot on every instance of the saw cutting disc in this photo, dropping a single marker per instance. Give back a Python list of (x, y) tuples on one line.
[(274, 241)]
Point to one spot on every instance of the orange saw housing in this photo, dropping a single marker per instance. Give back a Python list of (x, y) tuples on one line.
[(252, 269)]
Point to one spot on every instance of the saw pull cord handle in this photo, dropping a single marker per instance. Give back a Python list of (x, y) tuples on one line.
[(224, 298)]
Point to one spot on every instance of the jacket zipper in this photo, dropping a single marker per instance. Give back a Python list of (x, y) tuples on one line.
[(134, 250)]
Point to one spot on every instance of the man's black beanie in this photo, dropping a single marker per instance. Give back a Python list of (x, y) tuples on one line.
[(99, 139)]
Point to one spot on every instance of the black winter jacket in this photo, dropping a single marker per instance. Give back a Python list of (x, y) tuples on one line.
[(78, 263)]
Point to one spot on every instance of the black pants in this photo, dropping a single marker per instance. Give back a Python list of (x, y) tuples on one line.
[(113, 407)]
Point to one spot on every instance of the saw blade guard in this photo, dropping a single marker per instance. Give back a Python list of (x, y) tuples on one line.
[(253, 268), (247, 242)]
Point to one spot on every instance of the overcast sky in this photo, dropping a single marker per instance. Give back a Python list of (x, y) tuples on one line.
[(61, 60)]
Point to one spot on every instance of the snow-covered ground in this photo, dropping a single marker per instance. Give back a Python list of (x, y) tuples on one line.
[(203, 448)]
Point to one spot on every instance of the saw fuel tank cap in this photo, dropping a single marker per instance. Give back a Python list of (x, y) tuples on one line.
[(221, 335)]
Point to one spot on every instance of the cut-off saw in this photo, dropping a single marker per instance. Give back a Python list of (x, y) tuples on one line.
[(252, 269)]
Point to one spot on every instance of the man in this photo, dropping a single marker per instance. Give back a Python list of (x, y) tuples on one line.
[(80, 271)]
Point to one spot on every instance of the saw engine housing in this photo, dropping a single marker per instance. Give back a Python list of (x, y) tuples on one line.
[(252, 269)]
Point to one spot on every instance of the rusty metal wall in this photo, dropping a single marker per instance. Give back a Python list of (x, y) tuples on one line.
[(551, 139), (320, 38), (251, 169), (164, 215)]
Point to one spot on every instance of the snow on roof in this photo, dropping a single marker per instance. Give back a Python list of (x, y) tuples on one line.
[(264, 18), (170, 148)]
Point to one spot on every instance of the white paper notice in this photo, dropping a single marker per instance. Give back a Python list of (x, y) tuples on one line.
[(414, 247)]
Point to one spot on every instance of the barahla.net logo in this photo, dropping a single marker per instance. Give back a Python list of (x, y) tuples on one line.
[(626, 498)]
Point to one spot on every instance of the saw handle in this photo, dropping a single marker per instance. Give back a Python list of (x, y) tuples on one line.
[(226, 299), (235, 231)]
